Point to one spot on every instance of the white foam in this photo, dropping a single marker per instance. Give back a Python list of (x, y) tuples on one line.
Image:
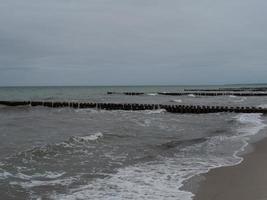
[(241, 100), (192, 95), (143, 123), (47, 175), (254, 118), (252, 125), (148, 112), (152, 94), (158, 111), (86, 110), (4, 175), (155, 180), (232, 96), (177, 100), (88, 138), (147, 181), (38, 183), (164, 178), (263, 106)]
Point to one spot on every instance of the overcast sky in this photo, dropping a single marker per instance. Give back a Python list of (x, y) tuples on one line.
[(122, 42)]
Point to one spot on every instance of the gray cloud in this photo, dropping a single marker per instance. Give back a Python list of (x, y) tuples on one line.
[(132, 42)]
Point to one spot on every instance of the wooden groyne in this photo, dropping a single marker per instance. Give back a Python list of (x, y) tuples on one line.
[(198, 109), (214, 93), (127, 93), (206, 93), (243, 89)]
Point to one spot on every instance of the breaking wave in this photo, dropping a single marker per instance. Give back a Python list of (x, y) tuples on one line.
[(152, 94), (164, 178), (177, 100), (191, 95), (82, 139), (158, 111)]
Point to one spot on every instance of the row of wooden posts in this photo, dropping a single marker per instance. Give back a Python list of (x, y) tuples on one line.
[(260, 89), (197, 93), (126, 106), (214, 93)]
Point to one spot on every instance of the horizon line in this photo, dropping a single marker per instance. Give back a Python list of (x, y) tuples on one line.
[(135, 85)]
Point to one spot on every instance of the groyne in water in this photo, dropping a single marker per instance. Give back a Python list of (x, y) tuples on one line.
[(206, 93), (243, 89), (214, 93), (127, 93), (197, 109)]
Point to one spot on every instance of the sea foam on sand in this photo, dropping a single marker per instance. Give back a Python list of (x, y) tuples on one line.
[(163, 179)]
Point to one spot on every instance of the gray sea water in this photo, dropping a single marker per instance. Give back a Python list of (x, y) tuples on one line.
[(64, 153)]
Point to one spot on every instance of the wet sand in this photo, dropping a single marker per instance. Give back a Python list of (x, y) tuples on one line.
[(246, 181)]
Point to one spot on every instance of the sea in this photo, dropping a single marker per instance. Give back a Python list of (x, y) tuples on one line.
[(81, 154)]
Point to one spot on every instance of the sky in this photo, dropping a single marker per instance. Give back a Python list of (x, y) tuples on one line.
[(132, 42)]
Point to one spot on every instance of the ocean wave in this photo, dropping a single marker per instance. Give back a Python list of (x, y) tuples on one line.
[(34, 180), (252, 122), (25, 177), (176, 143), (232, 96), (242, 99), (88, 138), (191, 95), (165, 177), (145, 181), (161, 178), (177, 100), (37, 183), (4, 174), (152, 94), (46, 175), (146, 112), (158, 111), (157, 180), (143, 123), (238, 101), (87, 110), (74, 145), (263, 106)]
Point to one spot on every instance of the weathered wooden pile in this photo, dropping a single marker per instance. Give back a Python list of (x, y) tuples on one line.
[(198, 93), (126, 106), (243, 89), (214, 93), (127, 93)]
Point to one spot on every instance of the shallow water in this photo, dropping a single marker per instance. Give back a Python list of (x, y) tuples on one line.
[(65, 153)]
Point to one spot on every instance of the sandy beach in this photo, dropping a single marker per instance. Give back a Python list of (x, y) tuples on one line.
[(246, 181)]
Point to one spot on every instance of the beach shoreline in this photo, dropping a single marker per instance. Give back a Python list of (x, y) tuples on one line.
[(245, 181)]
